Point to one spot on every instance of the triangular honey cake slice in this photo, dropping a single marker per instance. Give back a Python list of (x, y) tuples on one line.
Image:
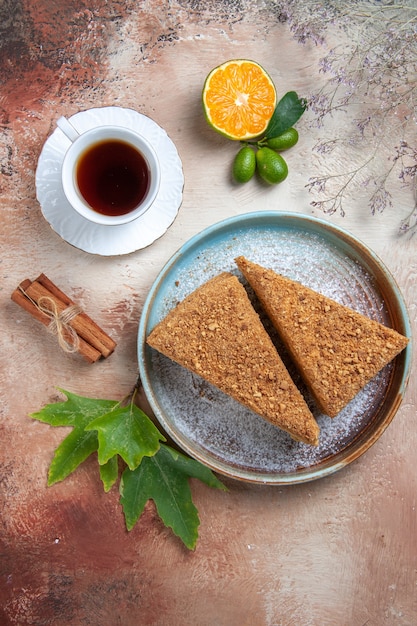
[(216, 333), (337, 350)]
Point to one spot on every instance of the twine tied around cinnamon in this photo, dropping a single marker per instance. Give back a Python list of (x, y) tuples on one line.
[(60, 324), (75, 330)]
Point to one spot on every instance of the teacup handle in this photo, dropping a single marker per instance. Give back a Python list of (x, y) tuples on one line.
[(67, 128)]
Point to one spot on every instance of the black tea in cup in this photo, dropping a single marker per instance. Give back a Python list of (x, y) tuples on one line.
[(113, 177)]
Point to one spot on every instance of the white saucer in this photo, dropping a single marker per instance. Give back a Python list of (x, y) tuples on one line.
[(109, 240)]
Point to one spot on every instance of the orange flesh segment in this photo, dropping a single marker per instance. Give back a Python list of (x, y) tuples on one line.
[(240, 99)]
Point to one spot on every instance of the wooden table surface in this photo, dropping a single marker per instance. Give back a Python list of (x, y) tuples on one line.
[(338, 551)]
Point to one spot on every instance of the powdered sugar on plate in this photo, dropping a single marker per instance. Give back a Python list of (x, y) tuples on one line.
[(213, 427)]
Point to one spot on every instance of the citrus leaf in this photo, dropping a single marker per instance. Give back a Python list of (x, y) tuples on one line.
[(287, 112), (128, 432), (109, 473), (76, 412), (164, 479)]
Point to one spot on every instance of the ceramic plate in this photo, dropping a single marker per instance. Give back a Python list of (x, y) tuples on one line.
[(218, 431), (96, 238)]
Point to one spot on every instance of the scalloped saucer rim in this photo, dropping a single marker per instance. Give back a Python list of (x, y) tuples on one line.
[(124, 238)]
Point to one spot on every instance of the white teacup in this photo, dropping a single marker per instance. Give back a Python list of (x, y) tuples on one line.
[(110, 174)]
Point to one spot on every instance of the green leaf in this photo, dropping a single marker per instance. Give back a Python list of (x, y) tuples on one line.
[(155, 471), (164, 479), (73, 451), (76, 412), (287, 112), (68, 413), (109, 473), (128, 432)]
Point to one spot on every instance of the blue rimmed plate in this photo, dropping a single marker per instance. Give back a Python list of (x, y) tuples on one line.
[(217, 430)]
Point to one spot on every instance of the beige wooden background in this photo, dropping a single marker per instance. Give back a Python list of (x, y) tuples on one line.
[(340, 551)]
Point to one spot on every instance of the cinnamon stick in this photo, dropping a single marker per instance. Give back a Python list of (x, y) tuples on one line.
[(85, 349), (92, 341), (19, 298), (94, 334)]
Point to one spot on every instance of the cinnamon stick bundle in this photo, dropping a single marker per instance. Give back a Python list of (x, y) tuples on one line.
[(76, 331)]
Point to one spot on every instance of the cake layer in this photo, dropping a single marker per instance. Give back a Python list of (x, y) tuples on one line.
[(337, 350), (216, 333)]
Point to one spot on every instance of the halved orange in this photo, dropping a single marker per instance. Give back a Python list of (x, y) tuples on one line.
[(239, 99)]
